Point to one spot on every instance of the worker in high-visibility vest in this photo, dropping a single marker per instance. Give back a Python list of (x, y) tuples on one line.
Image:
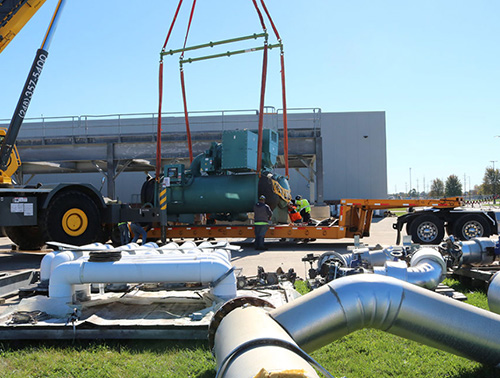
[(294, 215), (304, 208)]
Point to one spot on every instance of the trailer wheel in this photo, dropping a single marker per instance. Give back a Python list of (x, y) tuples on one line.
[(73, 217), (27, 238), (471, 226), (427, 229)]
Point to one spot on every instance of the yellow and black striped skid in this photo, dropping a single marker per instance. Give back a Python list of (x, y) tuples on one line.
[(284, 194), (163, 199)]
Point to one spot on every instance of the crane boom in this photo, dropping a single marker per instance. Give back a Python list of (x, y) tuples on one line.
[(27, 93), (14, 14)]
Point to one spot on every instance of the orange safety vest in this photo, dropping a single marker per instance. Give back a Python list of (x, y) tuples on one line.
[(294, 215)]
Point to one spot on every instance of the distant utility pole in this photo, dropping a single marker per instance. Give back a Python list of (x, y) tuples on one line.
[(410, 179), (469, 190), (494, 181)]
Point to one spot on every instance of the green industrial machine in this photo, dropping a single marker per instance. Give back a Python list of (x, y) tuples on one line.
[(223, 181)]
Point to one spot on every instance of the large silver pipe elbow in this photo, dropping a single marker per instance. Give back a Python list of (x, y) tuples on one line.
[(427, 269), (494, 293), (372, 301)]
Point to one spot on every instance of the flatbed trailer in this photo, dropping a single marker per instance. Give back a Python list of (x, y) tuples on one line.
[(354, 220)]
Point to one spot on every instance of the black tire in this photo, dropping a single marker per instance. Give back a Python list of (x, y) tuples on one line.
[(27, 238), (115, 236), (408, 227), (72, 217), (471, 226), (427, 229)]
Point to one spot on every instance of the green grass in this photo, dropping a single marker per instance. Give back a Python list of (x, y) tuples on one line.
[(107, 359), (365, 353)]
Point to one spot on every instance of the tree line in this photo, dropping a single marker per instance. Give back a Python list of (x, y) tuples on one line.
[(453, 187)]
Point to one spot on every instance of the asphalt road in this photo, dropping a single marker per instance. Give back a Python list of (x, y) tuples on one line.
[(280, 254), (286, 255)]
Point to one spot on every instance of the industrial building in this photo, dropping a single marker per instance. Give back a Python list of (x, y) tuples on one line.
[(331, 155)]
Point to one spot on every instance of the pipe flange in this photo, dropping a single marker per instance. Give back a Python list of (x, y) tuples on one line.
[(230, 306)]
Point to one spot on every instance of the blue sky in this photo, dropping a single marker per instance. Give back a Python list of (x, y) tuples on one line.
[(432, 66)]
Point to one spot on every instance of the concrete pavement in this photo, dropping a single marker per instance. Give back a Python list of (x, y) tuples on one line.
[(288, 255), (280, 254)]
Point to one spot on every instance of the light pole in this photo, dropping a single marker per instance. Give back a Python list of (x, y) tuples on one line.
[(410, 181), (494, 182)]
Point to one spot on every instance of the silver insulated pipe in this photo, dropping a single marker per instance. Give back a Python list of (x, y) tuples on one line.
[(248, 343), (478, 251), (427, 269), (494, 293), (400, 308)]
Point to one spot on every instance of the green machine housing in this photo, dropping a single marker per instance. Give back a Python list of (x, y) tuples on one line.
[(223, 181)]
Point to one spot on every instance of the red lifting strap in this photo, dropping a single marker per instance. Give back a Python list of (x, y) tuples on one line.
[(158, 130), (183, 86), (262, 97), (260, 15), (285, 117), (160, 98), (262, 93), (271, 21), (172, 25)]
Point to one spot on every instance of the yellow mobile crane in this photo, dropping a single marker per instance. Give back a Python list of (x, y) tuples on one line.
[(14, 14)]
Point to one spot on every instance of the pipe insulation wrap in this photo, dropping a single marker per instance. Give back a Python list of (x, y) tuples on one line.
[(372, 301), (246, 324), (494, 293), (46, 264), (478, 251), (54, 259), (376, 257), (427, 269), (204, 269)]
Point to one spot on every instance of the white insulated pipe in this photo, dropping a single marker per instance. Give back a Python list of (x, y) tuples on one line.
[(205, 269), (47, 261), (372, 301), (427, 269), (248, 340), (494, 293), (148, 250)]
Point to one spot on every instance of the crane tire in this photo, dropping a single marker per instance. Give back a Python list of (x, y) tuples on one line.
[(27, 238), (427, 229), (72, 217)]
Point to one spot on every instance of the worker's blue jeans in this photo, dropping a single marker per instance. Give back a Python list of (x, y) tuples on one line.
[(124, 233), (260, 232), (138, 231)]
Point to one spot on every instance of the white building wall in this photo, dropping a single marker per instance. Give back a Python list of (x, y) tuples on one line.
[(353, 148), (354, 155)]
